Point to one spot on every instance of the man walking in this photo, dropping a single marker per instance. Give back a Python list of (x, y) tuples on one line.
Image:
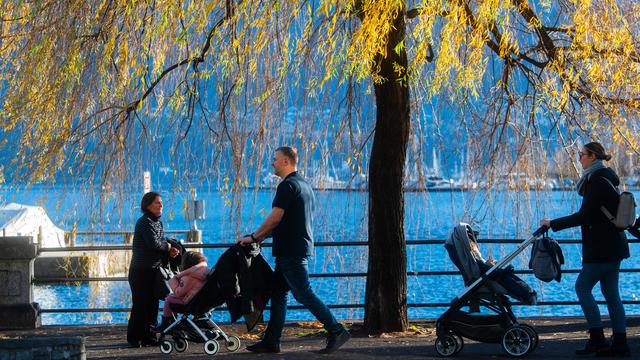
[(291, 225)]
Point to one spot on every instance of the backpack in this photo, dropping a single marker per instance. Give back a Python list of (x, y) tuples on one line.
[(546, 258), (626, 213)]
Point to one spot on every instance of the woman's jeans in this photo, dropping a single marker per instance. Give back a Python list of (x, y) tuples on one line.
[(292, 273), (607, 274)]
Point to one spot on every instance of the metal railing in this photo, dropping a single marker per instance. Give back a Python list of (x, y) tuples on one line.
[(71, 280), (127, 236)]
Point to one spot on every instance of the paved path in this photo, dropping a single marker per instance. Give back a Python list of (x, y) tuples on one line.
[(559, 337)]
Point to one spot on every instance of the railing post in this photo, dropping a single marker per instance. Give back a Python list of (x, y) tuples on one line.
[(70, 238), (128, 238), (17, 309), (40, 236), (194, 236), (194, 211)]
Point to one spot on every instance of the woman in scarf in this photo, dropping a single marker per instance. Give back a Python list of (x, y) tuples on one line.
[(149, 248), (603, 248)]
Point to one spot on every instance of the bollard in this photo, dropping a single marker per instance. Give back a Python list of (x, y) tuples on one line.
[(128, 238), (70, 238), (194, 236), (17, 309), (40, 237), (194, 212)]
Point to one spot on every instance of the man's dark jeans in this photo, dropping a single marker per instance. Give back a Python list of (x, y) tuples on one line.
[(292, 273)]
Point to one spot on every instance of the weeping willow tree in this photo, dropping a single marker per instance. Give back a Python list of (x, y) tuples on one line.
[(86, 84)]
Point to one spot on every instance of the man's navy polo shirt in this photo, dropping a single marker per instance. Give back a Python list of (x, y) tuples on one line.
[(294, 234)]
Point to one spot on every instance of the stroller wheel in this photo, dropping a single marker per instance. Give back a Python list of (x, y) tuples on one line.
[(459, 343), (233, 344), (447, 345), (517, 341), (181, 344), (166, 347), (211, 347), (534, 335)]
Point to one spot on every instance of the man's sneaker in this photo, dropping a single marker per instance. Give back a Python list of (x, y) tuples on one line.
[(335, 341), (263, 347)]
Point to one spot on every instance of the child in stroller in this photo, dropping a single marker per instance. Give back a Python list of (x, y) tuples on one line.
[(488, 284), (241, 278), (185, 284), (178, 306)]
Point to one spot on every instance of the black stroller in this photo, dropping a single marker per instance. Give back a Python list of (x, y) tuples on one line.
[(487, 286)]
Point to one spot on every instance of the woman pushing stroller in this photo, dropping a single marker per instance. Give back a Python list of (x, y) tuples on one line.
[(603, 248)]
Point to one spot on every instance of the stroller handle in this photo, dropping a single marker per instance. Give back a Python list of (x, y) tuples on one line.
[(541, 230)]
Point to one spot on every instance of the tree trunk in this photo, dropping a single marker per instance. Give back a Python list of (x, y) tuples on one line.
[(386, 289)]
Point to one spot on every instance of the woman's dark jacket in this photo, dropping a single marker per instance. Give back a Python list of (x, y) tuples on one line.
[(150, 247), (601, 240)]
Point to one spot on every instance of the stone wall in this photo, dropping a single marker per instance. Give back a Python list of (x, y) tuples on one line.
[(17, 309), (43, 348)]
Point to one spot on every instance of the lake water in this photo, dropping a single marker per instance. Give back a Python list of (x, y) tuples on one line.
[(339, 216)]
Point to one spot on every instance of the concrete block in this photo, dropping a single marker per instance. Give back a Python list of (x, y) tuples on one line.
[(16, 278), (17, 247)]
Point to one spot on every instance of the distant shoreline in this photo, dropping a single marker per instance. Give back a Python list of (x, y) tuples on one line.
[(435, 190), (14, 187)]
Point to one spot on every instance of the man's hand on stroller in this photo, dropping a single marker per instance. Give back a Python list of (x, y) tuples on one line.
[(245, 240), (545, 222)]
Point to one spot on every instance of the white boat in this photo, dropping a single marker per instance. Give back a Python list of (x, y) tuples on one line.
[(269, 181), (26, 220), (327, 182)]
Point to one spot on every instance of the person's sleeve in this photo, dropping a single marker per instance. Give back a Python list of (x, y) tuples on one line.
[(174, 283), (284, 195), (152, 238), (182, 288), (590, 205), (202, 273), (199, 272), (566, 222), (187, 272)]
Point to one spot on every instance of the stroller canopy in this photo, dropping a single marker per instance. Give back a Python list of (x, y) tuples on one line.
[(463, 251)]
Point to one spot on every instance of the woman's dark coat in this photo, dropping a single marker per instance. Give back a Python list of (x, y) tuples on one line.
[(601, 240)]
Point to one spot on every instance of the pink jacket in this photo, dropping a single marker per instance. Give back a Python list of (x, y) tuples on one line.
[(188, 282)]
